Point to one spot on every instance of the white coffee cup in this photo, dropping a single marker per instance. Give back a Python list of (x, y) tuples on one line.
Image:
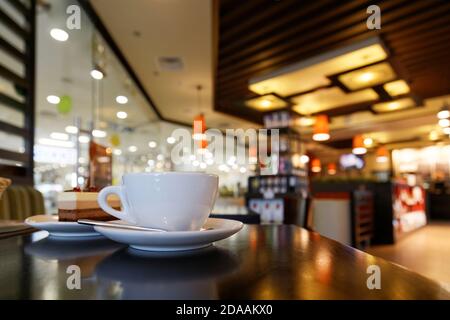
[(172, 201)]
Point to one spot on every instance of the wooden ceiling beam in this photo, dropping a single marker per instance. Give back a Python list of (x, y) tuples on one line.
[(424, 45), (391, 22), (428, 57), (238, 10), (276, 28), (325, 22), (253, 21), (419, 36), (301, 42), (431, 19)]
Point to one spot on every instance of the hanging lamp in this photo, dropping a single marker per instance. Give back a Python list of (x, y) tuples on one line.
[(358, 145), (332, 168), (382, 154), (321, 129), (315, 165)]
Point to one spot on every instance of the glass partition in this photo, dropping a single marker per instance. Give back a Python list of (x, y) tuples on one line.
[(84, 95)]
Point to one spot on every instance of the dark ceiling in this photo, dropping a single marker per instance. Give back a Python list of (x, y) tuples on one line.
[(260, 36)]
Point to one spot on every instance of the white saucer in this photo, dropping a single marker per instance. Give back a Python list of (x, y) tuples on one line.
[(174, 240), (57, 228)]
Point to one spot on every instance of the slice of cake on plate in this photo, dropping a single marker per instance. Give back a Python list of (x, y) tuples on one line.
[(74, 205)]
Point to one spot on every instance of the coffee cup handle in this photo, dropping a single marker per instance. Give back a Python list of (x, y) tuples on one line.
[(103, 203)]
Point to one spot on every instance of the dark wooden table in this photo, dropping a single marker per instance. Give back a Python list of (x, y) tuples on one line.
[(260, 262)]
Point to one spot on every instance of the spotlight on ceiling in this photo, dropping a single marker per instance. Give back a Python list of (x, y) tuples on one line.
[(59, 34), (53, 99), (121, 115), (97, 74), (121, 99)]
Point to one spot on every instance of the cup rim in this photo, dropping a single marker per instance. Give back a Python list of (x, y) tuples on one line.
[(186, 173)]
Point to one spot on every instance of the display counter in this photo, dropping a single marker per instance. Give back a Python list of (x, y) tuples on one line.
[(332, 216), (398, 208)]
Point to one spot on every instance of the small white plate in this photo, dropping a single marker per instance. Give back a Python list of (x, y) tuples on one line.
[(218, 229), (57, 228)]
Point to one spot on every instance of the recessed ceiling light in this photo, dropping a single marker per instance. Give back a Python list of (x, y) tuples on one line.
[(117, 152), (121, 99), (122, 115), (96, 74), (160, 157), (329, 98), (98, 133), (399, 104), (71, 129), (56, 143), (266, 103), (152, 144), (368, 142), (59, 136), (366, 77), (132, 148), (393, 105), (151, 162), (171, 140), (446, 130), (444, 123), (396, 88), (59, 34), (53, 99), (443, 114), (84, 139)]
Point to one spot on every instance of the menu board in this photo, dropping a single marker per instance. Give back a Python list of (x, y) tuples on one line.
[(408, 207)]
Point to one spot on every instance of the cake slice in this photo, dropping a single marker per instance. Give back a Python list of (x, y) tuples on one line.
[(74, 205)]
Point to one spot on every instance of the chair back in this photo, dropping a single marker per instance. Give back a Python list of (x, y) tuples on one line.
[(21, 202)]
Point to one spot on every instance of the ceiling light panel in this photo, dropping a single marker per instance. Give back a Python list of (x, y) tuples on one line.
[(330, 98), (368, 76), (268, 102), (395, 105), (396, 88), (313, 72)]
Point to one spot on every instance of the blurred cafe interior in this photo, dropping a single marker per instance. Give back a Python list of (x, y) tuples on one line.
[(362, 113)]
